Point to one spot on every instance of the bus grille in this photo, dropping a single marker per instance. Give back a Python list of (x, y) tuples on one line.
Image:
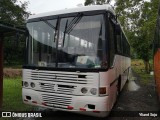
[(60, 88), (58, 82), (47, 86), (57, 101), (65, 77)]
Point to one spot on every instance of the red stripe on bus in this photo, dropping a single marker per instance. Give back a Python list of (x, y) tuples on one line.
[(34, 102), (96, 111), (82, 109), (70, 107), (44, 104)]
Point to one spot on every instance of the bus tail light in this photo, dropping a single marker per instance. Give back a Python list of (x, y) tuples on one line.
[(70, 107), (82, 109), (102, 90)]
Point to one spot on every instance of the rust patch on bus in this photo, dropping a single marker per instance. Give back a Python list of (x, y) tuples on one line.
[(157, 71)]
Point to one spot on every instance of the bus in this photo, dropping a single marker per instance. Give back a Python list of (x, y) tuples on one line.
[(77, 60), (156, 47)]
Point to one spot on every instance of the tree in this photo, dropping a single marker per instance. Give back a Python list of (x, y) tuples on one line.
[(88, 2), (97, 2), (12, 13), (138, 19)]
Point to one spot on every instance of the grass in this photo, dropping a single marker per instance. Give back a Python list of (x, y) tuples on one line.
[(139, 67), (12, 95)]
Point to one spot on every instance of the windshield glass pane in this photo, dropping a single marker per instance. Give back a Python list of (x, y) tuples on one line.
[(82, 45), (80, 42), (42, 45)]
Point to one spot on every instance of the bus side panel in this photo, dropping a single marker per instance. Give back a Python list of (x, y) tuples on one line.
[(125, 70), (110, 78)]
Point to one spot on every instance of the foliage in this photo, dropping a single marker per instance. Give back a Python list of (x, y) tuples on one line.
[(12, 13), (97, 2), (88, 2), (139, 68), (138, 19), (14, 50)]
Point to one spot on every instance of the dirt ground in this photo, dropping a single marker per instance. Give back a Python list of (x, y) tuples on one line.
[(12, 73), (144, 100)]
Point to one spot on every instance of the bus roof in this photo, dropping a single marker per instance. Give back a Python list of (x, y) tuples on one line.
[(74, 10)]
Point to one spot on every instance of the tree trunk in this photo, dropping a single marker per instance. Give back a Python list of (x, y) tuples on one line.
[(147, 66)]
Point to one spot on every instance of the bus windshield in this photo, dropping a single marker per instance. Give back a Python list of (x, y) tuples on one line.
[(70, 42)]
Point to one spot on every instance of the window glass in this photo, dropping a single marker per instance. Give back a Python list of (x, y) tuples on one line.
[(81, 39), (41, 43), (118, 43), (79, 42), (112, 43)]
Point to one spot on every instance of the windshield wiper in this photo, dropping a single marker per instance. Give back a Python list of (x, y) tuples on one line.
[(49, 24), (72, 24), (65, 32)]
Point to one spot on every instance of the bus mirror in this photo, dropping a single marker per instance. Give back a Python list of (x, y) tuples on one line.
[(118, 29)]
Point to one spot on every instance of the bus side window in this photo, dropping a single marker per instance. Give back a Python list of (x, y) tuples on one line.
[(125, 45), (118, 43), (112, 43), (122, 45)]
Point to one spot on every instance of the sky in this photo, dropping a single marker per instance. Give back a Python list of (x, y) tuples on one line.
[(41, 6)]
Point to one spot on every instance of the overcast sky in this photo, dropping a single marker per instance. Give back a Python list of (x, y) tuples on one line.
[(40, 6)]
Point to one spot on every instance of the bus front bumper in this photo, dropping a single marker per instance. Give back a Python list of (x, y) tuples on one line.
[(94, 106)]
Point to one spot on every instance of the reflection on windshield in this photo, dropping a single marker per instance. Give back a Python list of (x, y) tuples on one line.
[(79, 43)]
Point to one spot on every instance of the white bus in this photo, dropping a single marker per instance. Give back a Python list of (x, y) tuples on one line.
[(77, 60)]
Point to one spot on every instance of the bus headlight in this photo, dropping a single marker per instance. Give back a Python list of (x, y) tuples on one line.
[(84, 90), (26, 84), (32, 85), (93, 91)]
